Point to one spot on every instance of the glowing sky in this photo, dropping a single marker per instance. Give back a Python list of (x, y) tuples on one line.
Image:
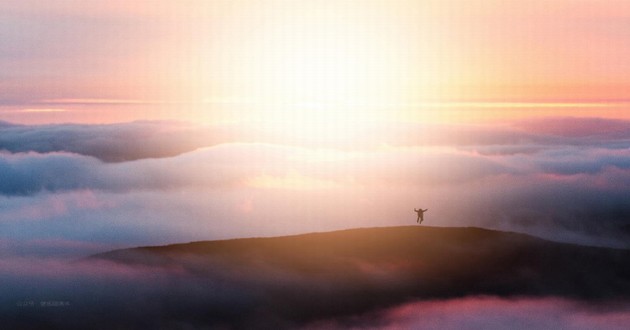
[(208, 61)]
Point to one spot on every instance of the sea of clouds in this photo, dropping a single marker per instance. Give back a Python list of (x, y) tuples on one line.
[(128, 184), (68, 191)]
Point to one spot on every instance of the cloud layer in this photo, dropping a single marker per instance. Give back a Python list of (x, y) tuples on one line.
[(110, 143), (488, 313), (67, 191), (563, 179)]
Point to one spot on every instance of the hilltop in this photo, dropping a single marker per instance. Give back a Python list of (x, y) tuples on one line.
[(400, 262)]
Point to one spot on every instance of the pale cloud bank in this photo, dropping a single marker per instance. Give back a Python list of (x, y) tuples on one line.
[(562, 179)]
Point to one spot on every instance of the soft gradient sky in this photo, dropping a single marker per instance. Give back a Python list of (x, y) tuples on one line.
[(209, 61)]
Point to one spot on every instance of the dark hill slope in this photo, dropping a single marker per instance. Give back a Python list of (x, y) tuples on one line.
[(318, 275)]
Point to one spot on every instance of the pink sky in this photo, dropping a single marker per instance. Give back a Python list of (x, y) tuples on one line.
[(207, 61)]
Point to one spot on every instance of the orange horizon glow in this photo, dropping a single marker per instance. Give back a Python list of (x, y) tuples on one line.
[(312, 118), (317, 64)]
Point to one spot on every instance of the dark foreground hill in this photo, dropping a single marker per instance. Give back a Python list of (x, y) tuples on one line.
[(311, 276)]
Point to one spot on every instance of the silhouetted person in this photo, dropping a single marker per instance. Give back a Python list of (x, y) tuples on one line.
[(420, 215)]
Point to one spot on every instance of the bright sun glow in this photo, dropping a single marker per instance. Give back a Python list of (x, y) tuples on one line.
[(318, 74), (316, 71), (316, 84), (320, 71)]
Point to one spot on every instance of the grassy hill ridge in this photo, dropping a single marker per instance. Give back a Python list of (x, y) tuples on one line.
[(418, 261)]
